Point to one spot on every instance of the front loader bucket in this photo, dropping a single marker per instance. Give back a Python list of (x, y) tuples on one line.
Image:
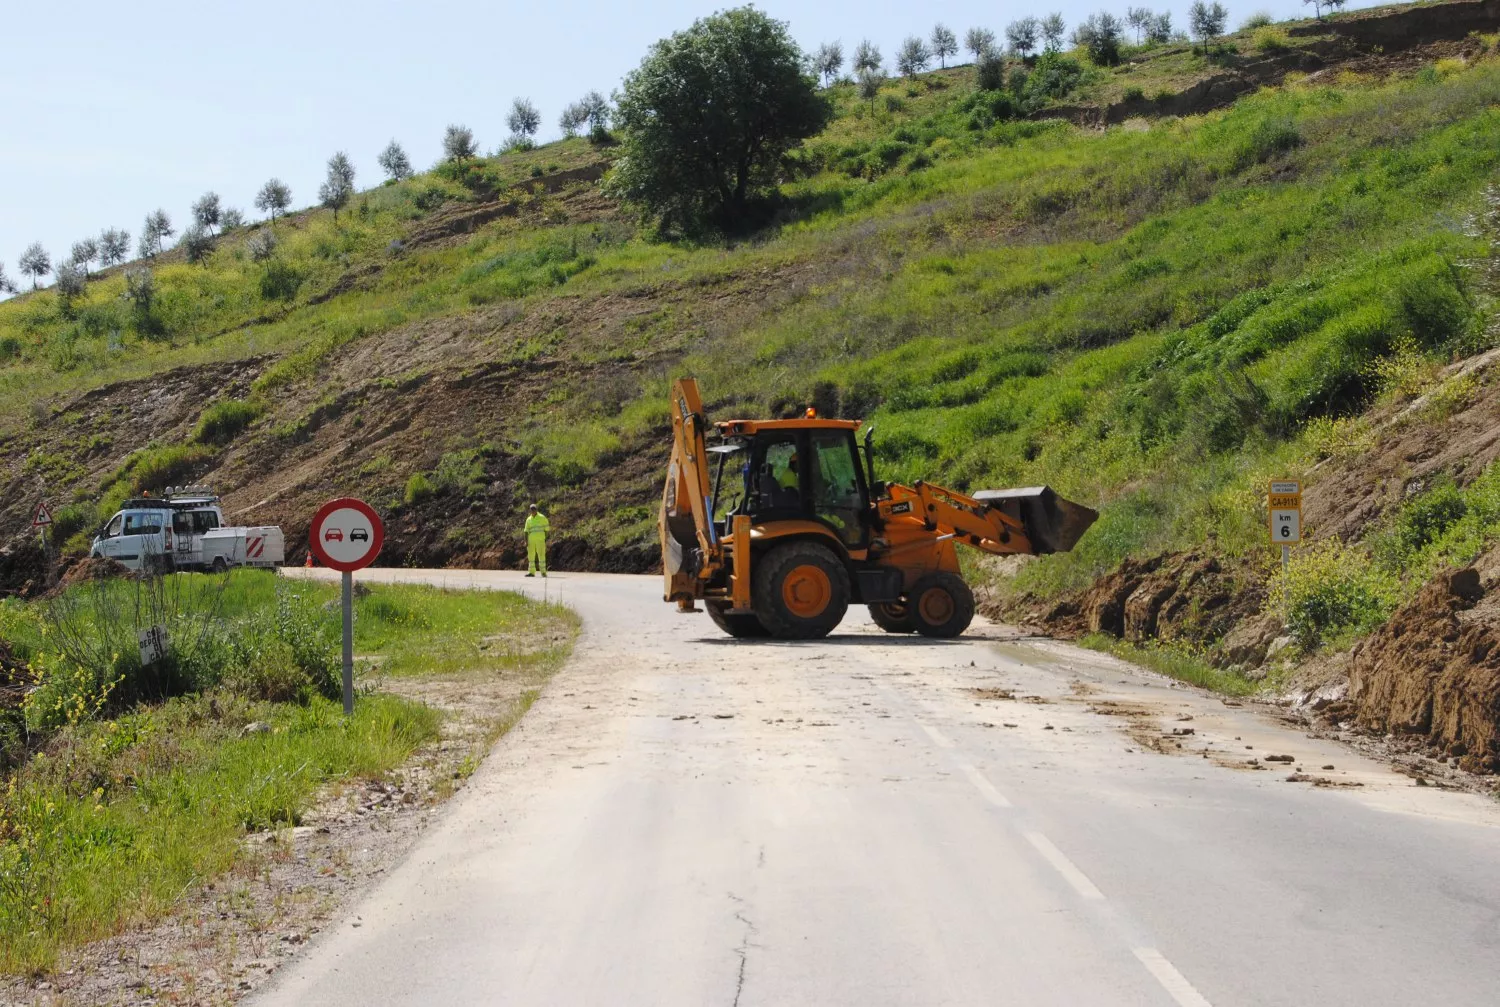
[(1052, 523)]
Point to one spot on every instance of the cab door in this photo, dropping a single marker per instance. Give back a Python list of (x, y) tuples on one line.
[(837, 488)]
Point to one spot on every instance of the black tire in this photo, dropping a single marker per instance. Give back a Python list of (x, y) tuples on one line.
[(893, 616), (220, 565), (941, 605), (744, 627), (786, 569)]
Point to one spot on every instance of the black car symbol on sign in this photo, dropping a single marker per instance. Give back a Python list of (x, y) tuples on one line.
[(359, 535)]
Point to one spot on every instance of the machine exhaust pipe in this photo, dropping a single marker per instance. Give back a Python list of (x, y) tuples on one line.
[(1052, 523)]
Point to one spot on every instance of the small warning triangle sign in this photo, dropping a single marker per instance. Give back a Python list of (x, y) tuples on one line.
[(43, 516)]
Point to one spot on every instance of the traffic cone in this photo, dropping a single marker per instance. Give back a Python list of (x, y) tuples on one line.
[(309, 562)]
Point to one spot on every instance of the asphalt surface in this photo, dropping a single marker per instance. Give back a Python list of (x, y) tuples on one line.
[(867, 820)]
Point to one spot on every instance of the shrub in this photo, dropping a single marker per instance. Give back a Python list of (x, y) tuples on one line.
[(1271, 136), (1269, 39), (222, 421), (280, 281), (1259, 19), (460, 472), (1331, 590), (419, 488), (1423, 520), (1134, 93)]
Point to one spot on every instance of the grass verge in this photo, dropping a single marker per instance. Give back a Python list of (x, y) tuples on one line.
[(1174, 662)]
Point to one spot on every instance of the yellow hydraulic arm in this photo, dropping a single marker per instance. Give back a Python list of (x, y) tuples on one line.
[(949, 512)]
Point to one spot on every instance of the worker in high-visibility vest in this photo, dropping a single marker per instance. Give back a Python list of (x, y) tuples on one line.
[(536, 541)]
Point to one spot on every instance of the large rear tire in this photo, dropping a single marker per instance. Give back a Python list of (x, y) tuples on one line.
[(801, 591), (893, 616), (741, 626), (941, 605)]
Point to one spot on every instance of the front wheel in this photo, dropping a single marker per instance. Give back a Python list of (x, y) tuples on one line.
[(220, 565), (801, 591), (941, 605)]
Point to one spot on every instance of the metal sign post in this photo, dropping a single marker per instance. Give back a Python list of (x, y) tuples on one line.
[(1284, 504), (346, 535)]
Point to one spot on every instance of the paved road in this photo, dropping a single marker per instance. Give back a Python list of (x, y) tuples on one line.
[(868, 820)]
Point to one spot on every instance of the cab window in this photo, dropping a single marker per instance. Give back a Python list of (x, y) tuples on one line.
[(205, 520), (837, 496), (112, 530), (143, 524), (731, 483), (778, 475)]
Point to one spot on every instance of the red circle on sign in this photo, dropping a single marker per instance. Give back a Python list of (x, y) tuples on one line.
[(346, 534)]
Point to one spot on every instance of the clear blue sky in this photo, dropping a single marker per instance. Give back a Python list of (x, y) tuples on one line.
[(114, 109)]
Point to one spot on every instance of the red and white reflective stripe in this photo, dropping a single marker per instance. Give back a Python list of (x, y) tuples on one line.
[(255, 547)]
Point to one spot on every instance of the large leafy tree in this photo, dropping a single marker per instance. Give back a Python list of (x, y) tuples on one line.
[(35, 263), (338, 186), (274, 197), (707, 117)]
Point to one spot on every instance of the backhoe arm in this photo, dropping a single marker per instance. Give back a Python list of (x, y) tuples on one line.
[(690, 550), (966, 519)]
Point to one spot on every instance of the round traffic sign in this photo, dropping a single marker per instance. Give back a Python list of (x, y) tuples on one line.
[(346, 534)]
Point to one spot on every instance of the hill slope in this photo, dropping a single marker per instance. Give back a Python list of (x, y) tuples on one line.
[(1146, 316)]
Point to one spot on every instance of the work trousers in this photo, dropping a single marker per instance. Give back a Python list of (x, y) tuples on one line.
[(536, 552)]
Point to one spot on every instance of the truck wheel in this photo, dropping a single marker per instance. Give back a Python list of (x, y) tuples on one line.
[(941, 605), (801, 591), (893, 617), (742, 626), (220, 565)]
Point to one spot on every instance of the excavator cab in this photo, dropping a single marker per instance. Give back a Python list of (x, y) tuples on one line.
[(810, 474)]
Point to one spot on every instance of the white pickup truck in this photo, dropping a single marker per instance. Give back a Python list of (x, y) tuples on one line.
[(184, 530)]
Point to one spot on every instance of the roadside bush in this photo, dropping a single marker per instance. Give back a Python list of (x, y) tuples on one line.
[(1329, 591), (222, 421), (460, 472), (1271, 136), (1423, 520)]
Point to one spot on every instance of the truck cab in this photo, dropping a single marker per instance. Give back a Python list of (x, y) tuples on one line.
[(176, 531)]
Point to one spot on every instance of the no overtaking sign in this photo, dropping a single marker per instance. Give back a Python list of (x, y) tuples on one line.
[(346, 535)]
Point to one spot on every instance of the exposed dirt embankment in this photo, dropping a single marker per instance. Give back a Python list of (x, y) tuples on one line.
[(1433, 670)]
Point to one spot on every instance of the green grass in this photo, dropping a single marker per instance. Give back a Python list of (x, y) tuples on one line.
[(116, 812), (1176, 662)]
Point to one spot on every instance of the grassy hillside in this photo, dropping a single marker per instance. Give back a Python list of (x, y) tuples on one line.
[(1147, 317)]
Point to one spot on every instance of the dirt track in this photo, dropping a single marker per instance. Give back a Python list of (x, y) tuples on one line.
[(869, 819)]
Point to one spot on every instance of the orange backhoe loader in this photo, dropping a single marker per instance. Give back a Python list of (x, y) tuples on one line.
[(778, 525)]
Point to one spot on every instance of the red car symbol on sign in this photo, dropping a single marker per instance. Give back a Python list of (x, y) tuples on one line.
[(333, 535)]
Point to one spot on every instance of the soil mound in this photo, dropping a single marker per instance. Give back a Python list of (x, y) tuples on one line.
[(88, 570), (1434, 670), (1189, 596)]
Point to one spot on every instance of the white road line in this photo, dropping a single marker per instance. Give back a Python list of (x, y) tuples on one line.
[(1059, 860), (1171, 980), (984, 786), (936, 735)]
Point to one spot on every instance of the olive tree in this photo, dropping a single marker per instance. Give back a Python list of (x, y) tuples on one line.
[(114, 245), (913, 56), (140, 291), (83, 253), (231, 220), (867, 57), (1206, 21), (154, 231), (338, 185), (708, 116), (1053, 27), (262, 245), (828, 61), (208, 211), (524, 120), (394, 162), (70, 280), (869, 83), (944, 43), (596, 112), (1160, 28), (458, 143), (572, 119), (979, 41), (197, 243), (1022, 36), (1099, 34), (274, 197), (35, 263), (7, 286)]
